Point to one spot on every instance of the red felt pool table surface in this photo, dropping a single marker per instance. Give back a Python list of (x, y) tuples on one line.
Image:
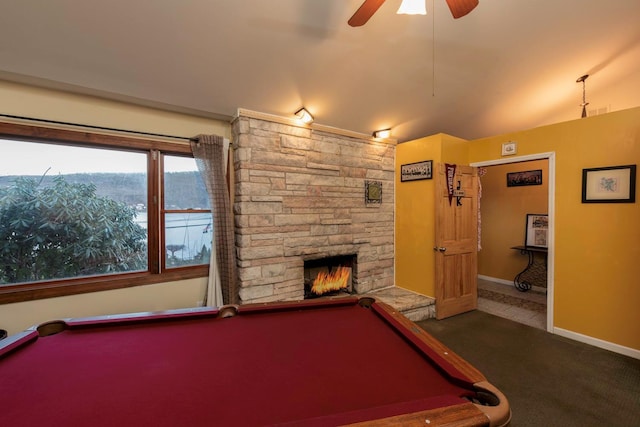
[(324, 362)]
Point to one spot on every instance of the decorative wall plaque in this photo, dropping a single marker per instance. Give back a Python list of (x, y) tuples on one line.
[(373, 192)]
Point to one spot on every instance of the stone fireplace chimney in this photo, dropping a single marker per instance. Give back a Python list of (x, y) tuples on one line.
[(299, 196)]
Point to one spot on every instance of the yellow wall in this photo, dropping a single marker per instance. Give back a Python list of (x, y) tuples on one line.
[(597, 246), (415, 218), (454, 150), (415, 213), (22, 100), (503, 211)]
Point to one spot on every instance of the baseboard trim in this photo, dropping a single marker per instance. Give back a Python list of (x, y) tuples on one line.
[(495, 279), (606, 345)]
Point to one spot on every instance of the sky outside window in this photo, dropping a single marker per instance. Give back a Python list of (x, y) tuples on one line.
[(30, 158)]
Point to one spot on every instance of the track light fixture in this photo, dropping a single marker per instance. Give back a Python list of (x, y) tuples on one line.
[(584, 95), (304, 116), (382, 133)]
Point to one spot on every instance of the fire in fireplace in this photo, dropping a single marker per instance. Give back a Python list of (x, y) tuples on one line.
[(328, 276), (330, 281)]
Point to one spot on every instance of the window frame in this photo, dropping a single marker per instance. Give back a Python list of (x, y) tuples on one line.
[(155, 272), (163, 211)]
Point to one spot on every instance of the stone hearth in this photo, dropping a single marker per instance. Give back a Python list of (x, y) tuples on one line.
[(299, 195)]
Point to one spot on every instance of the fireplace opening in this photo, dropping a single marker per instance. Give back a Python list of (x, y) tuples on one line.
[(329, 276)]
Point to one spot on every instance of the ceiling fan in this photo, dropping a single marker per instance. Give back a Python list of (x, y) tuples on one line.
[(459, 8)]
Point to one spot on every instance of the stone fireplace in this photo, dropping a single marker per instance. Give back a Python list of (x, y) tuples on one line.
[(299, 196)]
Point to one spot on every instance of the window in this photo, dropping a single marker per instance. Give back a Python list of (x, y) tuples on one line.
[(186, 212), (84, 212)]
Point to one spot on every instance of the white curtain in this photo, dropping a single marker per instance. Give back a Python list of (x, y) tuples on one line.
[(214, 287)]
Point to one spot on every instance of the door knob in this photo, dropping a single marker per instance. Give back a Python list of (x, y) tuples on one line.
[(439, 248)]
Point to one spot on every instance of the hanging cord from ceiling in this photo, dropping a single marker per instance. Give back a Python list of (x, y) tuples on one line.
[(135, 132), (433, 49)]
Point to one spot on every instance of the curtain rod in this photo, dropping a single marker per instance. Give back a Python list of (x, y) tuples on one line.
[(98, 127)]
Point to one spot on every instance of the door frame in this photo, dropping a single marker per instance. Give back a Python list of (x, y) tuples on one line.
[(551, 157)]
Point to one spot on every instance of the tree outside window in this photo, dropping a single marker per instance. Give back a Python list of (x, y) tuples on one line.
[(72, 210)]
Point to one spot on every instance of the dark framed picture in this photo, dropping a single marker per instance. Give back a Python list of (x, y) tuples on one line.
[(519, 179), (416, 171), (537, 230), (373, 192), (611, 184)]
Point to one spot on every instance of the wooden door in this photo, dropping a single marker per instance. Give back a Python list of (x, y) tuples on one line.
[(456, 238)]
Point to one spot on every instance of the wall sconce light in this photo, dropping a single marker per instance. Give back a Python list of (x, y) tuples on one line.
[(304, 116), (412, 7), (382, 133)]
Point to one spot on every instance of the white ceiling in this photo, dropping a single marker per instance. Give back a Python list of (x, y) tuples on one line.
[(508, 65)]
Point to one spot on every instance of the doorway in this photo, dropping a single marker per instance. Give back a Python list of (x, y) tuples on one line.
[(523, 162)]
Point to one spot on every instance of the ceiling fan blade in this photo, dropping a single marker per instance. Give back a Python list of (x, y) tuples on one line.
[(459, 8), (365, 12)]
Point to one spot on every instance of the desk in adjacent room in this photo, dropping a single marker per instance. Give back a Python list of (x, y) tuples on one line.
[(330, 361)]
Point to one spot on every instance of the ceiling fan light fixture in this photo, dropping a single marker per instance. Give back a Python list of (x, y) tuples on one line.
[(412, 7), (304, 116), (460, 8), (382, 133)]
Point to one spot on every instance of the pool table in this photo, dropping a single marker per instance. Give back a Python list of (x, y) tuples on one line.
[(325, 362)]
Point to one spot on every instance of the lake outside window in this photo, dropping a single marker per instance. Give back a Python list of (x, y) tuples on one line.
[(188, 227)]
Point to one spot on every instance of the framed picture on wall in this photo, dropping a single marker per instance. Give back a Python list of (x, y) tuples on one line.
[(509, 148), (416, 171), (520, 179), (537, 230), (612, 184)]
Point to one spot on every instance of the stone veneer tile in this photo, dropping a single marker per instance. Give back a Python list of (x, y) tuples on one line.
[(299, 195)]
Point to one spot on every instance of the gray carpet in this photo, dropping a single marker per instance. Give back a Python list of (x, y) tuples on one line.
[(549, 380)]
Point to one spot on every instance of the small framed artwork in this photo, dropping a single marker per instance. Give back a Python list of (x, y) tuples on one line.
[(509, 148), (373, 192), (537, 230), (612, 184), (416, 171), (519, 179)]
